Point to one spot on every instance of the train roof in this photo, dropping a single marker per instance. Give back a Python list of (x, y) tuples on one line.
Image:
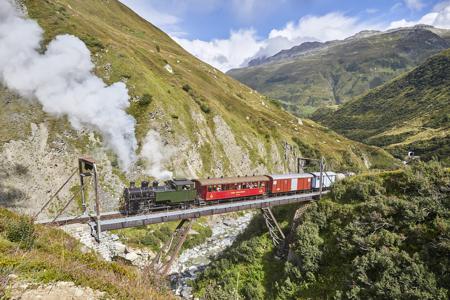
[(290, 176), (182, 181), (329, 173), (230, 180)]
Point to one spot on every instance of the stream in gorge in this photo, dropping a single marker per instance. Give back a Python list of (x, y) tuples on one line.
[(193, 261)]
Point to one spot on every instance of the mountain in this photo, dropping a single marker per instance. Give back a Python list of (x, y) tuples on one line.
[(309, 76), (202, 122), (411, 112), (301, 49), (305, 48)]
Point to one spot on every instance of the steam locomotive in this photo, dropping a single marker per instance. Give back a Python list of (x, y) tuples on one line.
[(184, 192)]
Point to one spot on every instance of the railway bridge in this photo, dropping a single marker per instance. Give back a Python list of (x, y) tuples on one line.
[(101, 222)]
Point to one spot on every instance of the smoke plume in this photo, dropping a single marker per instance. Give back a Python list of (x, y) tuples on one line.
[(61, 79), (155, 153)]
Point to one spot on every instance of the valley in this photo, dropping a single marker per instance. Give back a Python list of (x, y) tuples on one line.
[(100, 80), (410, 113), (307, 77)]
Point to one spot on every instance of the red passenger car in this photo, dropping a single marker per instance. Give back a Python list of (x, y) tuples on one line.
[(289, 183), (213, 189)]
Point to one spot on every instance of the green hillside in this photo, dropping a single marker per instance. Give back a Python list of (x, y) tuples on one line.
[(341, 70), (410, 113), (377, 236), (211, 124), (41, 254)]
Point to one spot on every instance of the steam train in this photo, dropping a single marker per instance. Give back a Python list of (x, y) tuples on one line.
[(184, 192)]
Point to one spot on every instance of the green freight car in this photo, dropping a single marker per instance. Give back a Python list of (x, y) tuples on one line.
[(176, 192)]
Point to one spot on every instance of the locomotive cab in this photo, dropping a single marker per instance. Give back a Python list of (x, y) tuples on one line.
[(181, 184), (176, 192)]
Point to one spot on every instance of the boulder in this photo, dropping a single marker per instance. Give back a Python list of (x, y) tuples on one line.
[(131, 256)]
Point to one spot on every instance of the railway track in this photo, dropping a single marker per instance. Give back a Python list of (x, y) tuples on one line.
[(117, 219)]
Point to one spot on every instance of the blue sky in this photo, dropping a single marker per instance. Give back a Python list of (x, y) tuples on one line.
[(228, 33)]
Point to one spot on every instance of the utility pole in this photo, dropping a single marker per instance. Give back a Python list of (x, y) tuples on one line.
[(321, 177), (87, 167)]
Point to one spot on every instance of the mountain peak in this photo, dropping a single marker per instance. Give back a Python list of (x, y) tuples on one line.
[(363, 34)]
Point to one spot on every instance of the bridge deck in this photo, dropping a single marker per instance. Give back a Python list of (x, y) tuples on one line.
[(207, 210)]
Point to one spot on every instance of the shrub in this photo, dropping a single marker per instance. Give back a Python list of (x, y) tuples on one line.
[(146, 100), (151, 240), (93, 42), (186, 87), (21, 231), (205, 108)]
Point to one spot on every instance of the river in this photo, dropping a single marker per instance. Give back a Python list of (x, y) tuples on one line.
[(191, 262)]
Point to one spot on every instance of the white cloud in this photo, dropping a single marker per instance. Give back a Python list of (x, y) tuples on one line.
[(331, 26), (167, 22), (224, 54), (414, 4), (438, 17), (244, 45)]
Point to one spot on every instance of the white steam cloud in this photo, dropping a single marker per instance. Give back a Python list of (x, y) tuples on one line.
[(61, 79), (155, 153)]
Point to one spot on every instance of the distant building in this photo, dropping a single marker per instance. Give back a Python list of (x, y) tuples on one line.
[(410, 158)]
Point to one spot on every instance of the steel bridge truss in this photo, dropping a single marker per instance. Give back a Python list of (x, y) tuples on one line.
[(275, 231), (169, 252)]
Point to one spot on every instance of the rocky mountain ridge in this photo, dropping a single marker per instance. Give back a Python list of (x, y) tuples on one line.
[(338, 71), (306, 48)]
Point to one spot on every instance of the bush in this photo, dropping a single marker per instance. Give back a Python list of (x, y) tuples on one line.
[(146, 100), (186, 87), (93, 42), (357, 189), (151, 240), (21, 231), (205, 108)]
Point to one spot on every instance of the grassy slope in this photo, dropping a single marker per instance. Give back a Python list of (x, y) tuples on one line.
[(137, 53), (342, 71), (377, 236), (55, 256), (411, 112)]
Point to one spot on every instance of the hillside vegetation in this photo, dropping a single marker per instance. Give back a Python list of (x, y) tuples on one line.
[(337, 71), (40, 254), (410, 113), (377, 236), (209, 124)]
